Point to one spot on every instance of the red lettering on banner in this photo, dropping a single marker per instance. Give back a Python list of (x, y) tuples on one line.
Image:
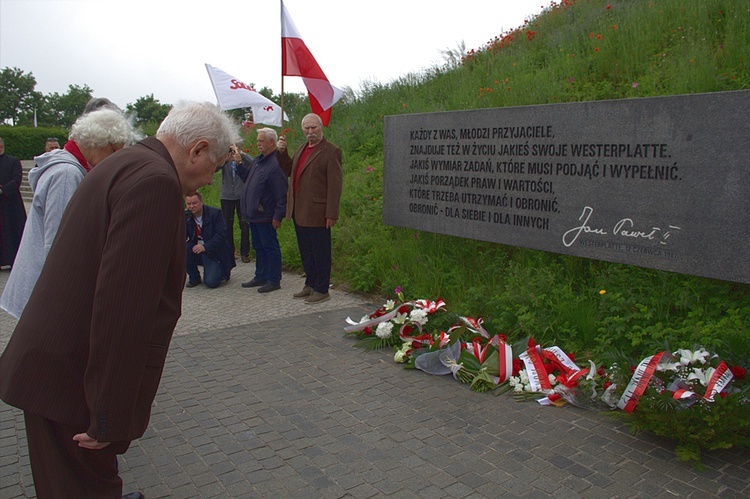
[(238, 84)]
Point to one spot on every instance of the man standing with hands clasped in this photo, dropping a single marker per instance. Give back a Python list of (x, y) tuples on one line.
[(313, 197), (87, 354)]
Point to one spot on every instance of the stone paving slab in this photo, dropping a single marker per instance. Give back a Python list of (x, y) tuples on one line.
[(283, 405)]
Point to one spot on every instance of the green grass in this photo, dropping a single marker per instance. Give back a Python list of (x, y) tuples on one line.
[(579, 51)]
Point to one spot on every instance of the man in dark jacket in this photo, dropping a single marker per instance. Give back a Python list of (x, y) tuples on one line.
[(12, 210), (263, 206), (206, 243)]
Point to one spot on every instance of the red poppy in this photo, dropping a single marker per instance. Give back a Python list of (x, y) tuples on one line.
[(517, 366), (738, 372)]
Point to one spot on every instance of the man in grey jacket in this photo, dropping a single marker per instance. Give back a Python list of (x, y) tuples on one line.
[(230, 194)]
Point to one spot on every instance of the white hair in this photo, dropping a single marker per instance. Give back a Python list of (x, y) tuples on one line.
[(101, 128), (269, 132), (189, 122), (313, 116)]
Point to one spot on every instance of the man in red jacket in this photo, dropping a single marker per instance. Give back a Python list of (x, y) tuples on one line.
[(86, 357)]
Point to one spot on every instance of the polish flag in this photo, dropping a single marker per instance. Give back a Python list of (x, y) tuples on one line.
[(297, 60)]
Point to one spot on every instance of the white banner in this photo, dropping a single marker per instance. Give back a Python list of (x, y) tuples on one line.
[(232, 93)]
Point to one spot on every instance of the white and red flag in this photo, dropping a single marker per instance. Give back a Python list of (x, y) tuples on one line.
[(297, 60), (232, 93)]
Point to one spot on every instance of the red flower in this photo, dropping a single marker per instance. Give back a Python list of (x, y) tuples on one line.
[(530, 35), (607, 384), (517, 366), (572, 357), (403, 309), (407, 330), (738, 372), (367, 330), (723, 395), (601, 371)]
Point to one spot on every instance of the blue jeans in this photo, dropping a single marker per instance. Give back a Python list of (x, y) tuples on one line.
[(211, 269), (267, 252)]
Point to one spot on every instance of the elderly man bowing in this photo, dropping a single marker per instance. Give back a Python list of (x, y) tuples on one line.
[(102, 315)]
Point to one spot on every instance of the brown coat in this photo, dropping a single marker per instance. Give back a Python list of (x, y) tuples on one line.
[(319, 187), (90, 347)]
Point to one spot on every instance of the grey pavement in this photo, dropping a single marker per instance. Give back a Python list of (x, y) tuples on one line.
[(263, 396)]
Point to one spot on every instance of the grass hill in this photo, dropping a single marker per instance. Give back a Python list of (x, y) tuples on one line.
[(575, 50)]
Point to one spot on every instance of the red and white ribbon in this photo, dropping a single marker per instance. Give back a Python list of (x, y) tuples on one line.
[(719, 380), (504, 360), (358, 326), (639, 382), (538, 379)]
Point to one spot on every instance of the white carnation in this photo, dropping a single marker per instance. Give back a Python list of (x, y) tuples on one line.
[(384, 330)]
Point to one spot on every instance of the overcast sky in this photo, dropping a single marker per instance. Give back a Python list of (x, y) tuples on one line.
[(124, 50)]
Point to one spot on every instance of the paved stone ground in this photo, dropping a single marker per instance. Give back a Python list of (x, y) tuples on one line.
[(263, 396)]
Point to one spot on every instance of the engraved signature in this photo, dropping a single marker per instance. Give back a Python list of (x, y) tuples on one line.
[(626, 227)]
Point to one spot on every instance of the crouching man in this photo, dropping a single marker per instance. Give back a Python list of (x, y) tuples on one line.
[(206, 243)]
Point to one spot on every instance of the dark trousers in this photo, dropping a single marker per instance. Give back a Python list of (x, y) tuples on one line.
[(229, 207), (61, 469), (315, 252), (267, 252)]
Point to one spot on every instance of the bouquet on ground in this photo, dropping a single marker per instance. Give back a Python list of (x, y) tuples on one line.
[(397, 322), (691, 396)]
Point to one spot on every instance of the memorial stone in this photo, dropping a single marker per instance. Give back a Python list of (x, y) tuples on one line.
[(658, 182)]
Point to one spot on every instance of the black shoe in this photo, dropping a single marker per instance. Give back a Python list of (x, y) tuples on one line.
[(134, 495), (192, 284), (268, 287), (253, 284)]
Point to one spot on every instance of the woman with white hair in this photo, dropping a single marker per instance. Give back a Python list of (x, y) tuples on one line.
[(93, 137)]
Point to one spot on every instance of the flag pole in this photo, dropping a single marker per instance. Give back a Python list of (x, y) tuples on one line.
[(281, 25)]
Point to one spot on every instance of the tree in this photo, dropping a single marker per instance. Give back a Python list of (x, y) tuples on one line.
[(148, 109), (70, 105), (16, 93), (61, 110)]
